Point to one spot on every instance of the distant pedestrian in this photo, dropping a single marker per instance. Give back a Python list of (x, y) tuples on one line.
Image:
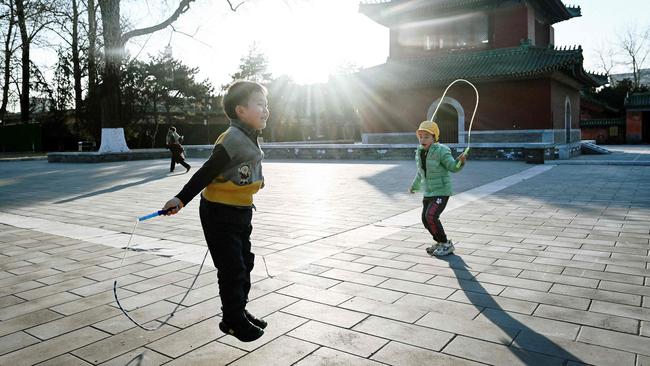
[(434, 162), (173, 141)]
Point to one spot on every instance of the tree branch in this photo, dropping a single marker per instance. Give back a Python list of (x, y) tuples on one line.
[(183, 6), (190, 35), (236, 7)]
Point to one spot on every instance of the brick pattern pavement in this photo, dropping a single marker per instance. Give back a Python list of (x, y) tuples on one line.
[(551, 271)]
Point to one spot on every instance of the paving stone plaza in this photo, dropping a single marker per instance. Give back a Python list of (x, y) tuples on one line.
[(551, 267)]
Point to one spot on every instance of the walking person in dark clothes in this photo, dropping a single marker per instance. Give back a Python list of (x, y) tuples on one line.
[(434, 162), (173, 141), (229, 179)]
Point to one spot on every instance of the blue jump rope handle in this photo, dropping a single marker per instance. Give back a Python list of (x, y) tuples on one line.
[(152, 215)]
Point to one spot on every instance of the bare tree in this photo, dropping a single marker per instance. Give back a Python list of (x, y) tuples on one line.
[(24, 37), (114, 41), (32, 17), (636, 46), (69, 26), (8, 53), (91, 9), (607, 59), (76, 62)]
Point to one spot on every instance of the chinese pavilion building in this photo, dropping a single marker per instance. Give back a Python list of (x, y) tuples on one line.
[(529, 88)]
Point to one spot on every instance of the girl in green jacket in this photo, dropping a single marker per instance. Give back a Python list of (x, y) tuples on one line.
[(434, 162)]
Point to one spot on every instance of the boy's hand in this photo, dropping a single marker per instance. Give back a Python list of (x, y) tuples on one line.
[(462, 158), (173, 206)]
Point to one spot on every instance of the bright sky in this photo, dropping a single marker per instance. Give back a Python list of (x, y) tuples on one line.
[(309, 39), (599, 26), (306, 39)]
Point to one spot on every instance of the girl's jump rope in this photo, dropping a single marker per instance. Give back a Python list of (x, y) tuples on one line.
[(162, 212), (471, 122), (178, 305)]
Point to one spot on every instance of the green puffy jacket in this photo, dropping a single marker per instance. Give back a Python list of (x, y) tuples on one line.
[(437, 181)]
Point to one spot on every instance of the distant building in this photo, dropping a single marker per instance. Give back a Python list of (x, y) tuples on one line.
[(637, 106), (529, 89), (600, 122), (644, 73), (604, 124)]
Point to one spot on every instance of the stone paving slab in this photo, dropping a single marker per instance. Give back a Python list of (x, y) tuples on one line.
[(550, 269)]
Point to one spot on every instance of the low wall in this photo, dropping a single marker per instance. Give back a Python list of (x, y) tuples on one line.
[(494, 136), (479, 151)]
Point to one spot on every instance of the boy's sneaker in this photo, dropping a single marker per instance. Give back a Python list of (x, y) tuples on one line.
[(444, 249), (260, 323), (432, 249), (246, 332)]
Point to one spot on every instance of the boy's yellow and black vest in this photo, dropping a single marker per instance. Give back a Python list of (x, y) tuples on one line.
[(242, 177)]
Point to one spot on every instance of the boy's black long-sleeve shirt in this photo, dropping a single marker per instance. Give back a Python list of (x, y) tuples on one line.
[(210, 170), (221, 160)]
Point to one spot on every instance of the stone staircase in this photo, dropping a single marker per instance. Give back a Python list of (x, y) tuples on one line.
[(590, 148)]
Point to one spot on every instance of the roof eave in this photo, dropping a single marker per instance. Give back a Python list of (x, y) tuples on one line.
[(374, 10), (560, 12)]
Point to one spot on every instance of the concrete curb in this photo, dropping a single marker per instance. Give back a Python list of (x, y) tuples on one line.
[(23, 158), (598, 162)]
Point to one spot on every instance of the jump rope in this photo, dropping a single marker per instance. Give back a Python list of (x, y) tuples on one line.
[(471, 122), (178, 305), (163, 212)]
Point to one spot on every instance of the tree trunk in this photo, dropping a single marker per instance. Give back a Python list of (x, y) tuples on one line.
[(24, 95), (111, 117), (114, 51), (111, 109), (636, 73), (7, 63), (92, 37), (76, 63)]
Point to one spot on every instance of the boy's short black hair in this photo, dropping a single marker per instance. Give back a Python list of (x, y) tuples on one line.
[(238, 94)]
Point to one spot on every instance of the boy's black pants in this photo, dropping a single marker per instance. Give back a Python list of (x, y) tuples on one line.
[(432, 207), (227, 232)]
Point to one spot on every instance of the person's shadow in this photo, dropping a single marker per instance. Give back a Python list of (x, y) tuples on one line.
[(527, 339), (118, 187)]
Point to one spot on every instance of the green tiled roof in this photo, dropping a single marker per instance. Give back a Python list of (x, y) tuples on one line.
[(585, 97), (506, 63), (638, 100), (575, 11), (602, 122)]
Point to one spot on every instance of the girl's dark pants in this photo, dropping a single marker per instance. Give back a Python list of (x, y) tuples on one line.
[(432, 207), (227, 232)]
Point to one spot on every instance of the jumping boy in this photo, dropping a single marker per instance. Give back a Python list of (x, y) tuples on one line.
[(229, 178), (434, 162)]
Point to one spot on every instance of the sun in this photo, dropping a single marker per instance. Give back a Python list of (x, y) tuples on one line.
[(310, 40), (307, 40)]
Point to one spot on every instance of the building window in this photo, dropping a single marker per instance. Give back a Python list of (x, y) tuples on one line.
[(613, 131), (428, 43), (458, 33)]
